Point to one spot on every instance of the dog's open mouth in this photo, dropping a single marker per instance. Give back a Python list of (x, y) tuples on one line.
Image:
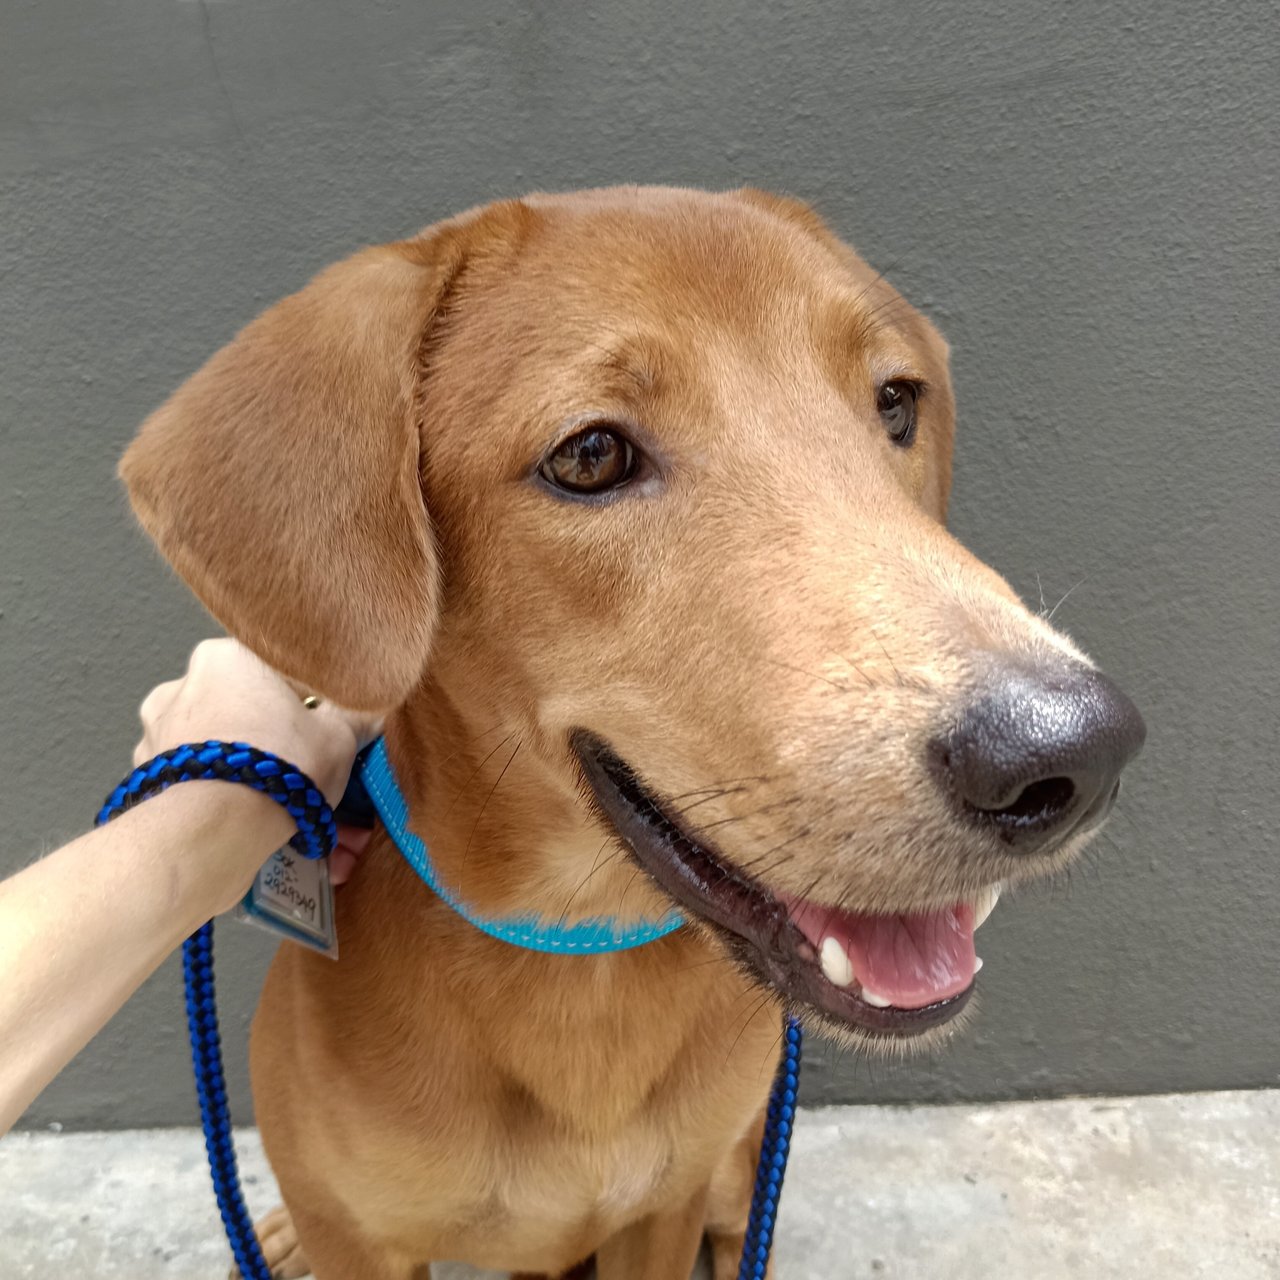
[(885, 975)]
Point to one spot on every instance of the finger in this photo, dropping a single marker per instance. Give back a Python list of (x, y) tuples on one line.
[(352, 842), (226, 661), (354, 838), (342, 862), (212, 653), (158, 701), (366, 729), (362, 725)]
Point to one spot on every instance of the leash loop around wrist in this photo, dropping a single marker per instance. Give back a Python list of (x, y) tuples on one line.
[(235, 762)]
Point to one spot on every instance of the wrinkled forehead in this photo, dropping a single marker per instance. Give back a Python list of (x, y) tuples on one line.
[(706, 268), (705, 301)]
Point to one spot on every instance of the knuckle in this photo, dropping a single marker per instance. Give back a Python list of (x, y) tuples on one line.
[(209, 653)]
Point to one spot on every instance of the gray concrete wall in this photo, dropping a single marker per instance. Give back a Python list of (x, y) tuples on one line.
[(1085, 201)]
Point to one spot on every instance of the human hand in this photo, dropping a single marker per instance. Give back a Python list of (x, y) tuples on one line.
[(229, 694)]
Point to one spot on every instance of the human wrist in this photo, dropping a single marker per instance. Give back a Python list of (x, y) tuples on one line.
[(216, 836)]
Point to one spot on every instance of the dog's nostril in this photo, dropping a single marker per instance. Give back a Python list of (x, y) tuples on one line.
[(1039, 805)]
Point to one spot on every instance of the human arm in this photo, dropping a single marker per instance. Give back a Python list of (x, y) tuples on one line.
[(82, 928)]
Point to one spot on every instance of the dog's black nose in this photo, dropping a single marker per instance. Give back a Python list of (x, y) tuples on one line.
[(1039, 756)]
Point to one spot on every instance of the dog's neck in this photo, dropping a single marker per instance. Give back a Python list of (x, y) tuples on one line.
[(503, 816)]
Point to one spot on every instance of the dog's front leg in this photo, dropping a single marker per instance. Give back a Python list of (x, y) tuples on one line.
[(663, 1246), (337, 1249)]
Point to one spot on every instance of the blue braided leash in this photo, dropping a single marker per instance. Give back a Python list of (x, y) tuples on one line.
[(771, 1168), (317, 834), (215, 1115)]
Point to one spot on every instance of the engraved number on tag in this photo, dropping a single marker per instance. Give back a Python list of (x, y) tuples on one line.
[(292, 896)]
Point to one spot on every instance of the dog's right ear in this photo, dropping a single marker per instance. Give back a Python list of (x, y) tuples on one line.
[(282, 480)]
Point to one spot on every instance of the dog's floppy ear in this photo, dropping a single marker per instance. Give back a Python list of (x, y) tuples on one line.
[(282, 480)]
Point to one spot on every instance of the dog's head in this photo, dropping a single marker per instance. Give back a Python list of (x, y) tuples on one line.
[(654, 481)]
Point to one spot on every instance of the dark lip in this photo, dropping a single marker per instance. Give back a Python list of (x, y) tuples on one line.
[(752, 921)]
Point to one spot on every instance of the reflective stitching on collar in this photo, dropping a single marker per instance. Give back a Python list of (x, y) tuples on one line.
[(590, 937)]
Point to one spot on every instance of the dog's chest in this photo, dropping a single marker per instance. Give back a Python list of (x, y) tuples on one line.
[(607, 1182), (509, 1178), (629, 1103), (515, 1110)]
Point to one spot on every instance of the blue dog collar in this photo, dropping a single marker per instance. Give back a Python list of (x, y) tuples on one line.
[(588, 938)]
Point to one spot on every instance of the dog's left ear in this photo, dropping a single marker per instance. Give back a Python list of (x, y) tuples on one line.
[(282, 480)]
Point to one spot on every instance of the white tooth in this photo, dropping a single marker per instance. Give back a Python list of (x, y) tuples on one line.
[(985, 903), (835, 963), (878, 1002), (977, 964)]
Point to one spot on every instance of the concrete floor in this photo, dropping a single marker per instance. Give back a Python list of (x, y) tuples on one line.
[(1168, 1187)]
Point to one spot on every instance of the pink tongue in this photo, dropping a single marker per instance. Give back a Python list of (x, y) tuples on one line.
[(910, 960)]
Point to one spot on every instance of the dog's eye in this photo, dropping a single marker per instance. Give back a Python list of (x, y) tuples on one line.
[(896, 402), (596, 459)]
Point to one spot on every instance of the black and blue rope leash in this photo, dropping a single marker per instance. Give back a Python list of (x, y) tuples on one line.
[(317, 833), (771, 1167)]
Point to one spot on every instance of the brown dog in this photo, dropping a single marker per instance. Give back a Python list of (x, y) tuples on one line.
[(630, 505)]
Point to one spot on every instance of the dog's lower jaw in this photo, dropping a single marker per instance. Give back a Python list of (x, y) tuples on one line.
[(869, 1044), (839, 1031)]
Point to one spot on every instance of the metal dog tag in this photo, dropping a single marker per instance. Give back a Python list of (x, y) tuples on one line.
[(292, 897)]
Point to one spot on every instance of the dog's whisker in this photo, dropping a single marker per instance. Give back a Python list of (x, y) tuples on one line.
[(866, 679), (475, 825), (1065, 594), (454, 754), (716, 957), (627, 888), (1130, 820), (475, 773), (722, 785), (884, 307), (800, 833), (718, 795), (771, 807), (758, 868), (880, 277), (885, 650), (771, 1057), (813, 675), (765, 998), (596, 865)]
